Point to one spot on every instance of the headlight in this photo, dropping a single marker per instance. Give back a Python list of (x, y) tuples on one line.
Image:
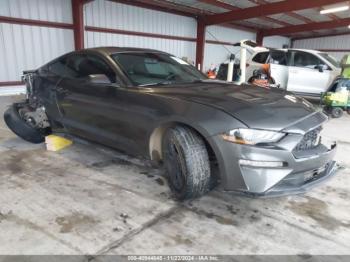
[(252, 136)]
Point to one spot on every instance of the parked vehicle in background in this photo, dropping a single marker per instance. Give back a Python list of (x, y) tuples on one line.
[(337, 98), (301, 71)]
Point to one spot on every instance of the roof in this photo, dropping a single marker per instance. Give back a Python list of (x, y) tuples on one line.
[(114, 49), (312, 51)]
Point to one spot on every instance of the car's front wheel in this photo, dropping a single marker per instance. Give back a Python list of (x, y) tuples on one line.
[(186, 162), (337, 112), (18, 120)]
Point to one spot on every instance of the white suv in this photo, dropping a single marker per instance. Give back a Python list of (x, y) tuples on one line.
[(304, 72)]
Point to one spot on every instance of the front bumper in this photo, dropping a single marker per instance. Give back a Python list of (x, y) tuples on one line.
[(300, 173), (297, 184)]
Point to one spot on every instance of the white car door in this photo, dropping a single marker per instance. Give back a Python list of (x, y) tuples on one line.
[(308, 75), (278, 67)]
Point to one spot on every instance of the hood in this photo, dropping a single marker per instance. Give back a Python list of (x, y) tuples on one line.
[(256, 107)]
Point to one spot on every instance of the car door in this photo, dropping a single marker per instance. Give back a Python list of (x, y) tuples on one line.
[(91, 100), (278, 60), (308, 74)]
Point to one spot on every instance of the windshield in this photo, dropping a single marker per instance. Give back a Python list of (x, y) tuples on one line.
[(145, 69), (330, 59)]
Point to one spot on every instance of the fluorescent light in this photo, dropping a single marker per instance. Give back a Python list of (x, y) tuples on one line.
[(334, 9)]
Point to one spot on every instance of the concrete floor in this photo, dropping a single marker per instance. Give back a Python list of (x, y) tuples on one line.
[(88, 199)]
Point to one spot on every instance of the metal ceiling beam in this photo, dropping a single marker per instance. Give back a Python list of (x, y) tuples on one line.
[(231, 7), (31, 22), (291, 14), (168, 7), (320, 35), (308, 27), (267, 9), (331, 16)]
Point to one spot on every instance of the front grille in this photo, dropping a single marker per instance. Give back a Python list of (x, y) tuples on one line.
[(310, 140)]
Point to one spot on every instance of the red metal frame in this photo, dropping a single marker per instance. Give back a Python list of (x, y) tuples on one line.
[(291, 14), (30, 22), (259, 38), (152, 35), (267, 9), (11, 83), (168, 7), (78, 23), (320, 35), (200, 43), (126, 32), (308, 27)]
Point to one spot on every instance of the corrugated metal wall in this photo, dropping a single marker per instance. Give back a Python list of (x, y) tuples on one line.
[(276, 41), (332, 42), (108, 14), (45, 10), (27, 47)]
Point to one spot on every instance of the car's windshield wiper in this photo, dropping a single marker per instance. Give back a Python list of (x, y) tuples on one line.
[(168, 82)]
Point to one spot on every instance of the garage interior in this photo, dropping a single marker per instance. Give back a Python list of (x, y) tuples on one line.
[(92, 200)]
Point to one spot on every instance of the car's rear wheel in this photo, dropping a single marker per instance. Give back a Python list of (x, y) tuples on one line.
[(22, 127), (186, 162), (337, 112)]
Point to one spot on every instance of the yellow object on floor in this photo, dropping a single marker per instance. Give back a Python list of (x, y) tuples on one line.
[(56, 143)]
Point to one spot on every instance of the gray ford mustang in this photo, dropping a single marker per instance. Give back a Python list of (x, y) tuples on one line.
[(152, 104)]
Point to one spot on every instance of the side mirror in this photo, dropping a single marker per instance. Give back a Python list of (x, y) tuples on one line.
[(99, 79), (321, 68)]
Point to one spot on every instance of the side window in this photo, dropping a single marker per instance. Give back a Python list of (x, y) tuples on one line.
[(303, 59), (83, 66), (261, 57), (278, 57)]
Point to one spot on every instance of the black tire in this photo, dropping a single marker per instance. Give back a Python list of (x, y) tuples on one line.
[(348, 110), (336, 112), (20, 127), (186, 162)]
